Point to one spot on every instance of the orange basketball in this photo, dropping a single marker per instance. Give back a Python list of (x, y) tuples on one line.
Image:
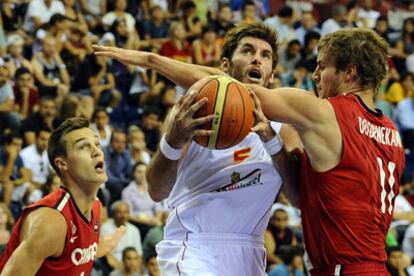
[(232, 106)]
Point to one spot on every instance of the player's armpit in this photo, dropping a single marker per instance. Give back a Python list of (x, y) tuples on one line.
[(42, 235)]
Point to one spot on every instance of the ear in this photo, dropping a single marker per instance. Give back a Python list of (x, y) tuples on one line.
[(351, 73), (225, 65), (61, 164), (271, 81)]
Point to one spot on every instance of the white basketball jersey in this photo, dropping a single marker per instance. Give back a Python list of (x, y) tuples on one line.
[(224, 191)]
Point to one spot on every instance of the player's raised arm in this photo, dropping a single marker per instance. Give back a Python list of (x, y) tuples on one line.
[(313, 118), (35, 245), (181, 73)]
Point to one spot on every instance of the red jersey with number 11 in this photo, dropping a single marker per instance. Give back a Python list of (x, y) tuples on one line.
[(347, 210)]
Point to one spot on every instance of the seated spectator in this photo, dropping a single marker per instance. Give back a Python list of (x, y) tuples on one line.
[(132, 237), (177, 47), (12, 13), (277, 236), (70, 108), (307, 24), (153, 237), (26, 94), (124, 38), (404, 46), (39, 12), (6, 224), (46, 116), (152, 266), (9, 118), (75, 48), (145, 213), (310, 49), (206, 50), (130, 263), (119, 13), (14, 58), (248, 12), (93, 11), (283, 23), (35, 158), (137, 146), (100, 124), (404, 117), (156, 28), (118, 164), (50, 72), (401, 89), (289, 56), (76, 18), (338, 20), (191, 22), (299, 78), (12, 172), (294, 220), (292, 263), (395, 262), (224, 21), (151, 127)]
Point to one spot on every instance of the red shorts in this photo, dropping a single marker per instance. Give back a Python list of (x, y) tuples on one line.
[(366, 269)]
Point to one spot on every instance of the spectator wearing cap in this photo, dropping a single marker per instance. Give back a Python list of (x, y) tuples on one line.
[(14, 58), (9, 118), (39, 12), (25, 93)]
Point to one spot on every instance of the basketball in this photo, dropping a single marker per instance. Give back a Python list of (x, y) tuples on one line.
[(230, 102)]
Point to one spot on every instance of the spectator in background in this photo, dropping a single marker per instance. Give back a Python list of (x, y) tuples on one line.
[(401, 89), (278, 236), (177, 47), (57, 27), (137, 146), (123, 37), (156, 28), (366, 15), (338, 20), (118, 164), (77, 21), (192, 24), (150, 126), (14, 58), (6, 224), (292, 263), (248, 12), (50, 72), (224, 21), (382, 28), (130, 263), (404, 117), (12, 15), (408, 241), (25, 93), (310, 50), (206, 50), (395, 262), (70, 108), (75, 48), (404, 46), (12, 172), (283, 23), (307, 24), (290, 56), (9, 118), (119, 13), (93, 10), (152, 266), (46, 116), (40, 12), (145, 213), (100, 124), (153, 237), (132, 237), (299, 78)]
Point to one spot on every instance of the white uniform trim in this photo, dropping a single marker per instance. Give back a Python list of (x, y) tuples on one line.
[(63, 202)]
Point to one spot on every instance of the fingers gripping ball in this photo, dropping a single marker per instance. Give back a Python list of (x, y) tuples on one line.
[(232, 106)]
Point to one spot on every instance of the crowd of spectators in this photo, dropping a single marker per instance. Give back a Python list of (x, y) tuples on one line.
[(48, 73)]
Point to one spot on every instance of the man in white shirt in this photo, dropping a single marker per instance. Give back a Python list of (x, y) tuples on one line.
[(337, 21), (40, 12)]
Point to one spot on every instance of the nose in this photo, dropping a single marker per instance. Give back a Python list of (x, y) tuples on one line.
[(256, 58), (97, 151), (316, 75)]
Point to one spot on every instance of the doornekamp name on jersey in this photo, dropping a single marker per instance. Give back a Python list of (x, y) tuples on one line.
[(250, 179), (383, 135)]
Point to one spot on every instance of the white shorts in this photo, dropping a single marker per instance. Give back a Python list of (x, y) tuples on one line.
[(212, 255)]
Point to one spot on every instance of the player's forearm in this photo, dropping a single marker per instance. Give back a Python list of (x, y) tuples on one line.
[(161, 176), (181, 73)]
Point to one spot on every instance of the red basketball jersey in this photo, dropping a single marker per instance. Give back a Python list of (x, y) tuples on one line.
[(82, 237), (347, 210)]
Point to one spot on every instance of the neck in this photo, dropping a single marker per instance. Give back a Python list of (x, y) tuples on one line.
[(366, 95), (82, 196)]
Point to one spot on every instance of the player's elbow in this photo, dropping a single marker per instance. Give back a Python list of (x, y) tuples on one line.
[(154, 189)]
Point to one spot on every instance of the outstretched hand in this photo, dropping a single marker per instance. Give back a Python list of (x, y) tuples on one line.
[(262, 126), (108, 244), (128, 57)]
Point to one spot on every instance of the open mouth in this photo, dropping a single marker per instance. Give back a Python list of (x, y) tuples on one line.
[(255, 75), (99, 167)]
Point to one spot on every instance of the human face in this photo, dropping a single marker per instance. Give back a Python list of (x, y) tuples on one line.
[(139, 174), (327, 78), (151, 121), (179, 32), (280, 220), (84, 163), (137, 140), (4, 76), (395, 259), (250, 12), (408, 84), (118, 142), (41, 141), (101, 119), (226, 14), (210, 37), (120, 5), (251, 62), (16, 49), (121, 214), (24, 81), (152, 267), (131, 261), (49, 46), (307, 21), (47, 109)]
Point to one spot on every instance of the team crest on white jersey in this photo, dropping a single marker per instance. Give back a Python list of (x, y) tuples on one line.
[(251, 179)]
